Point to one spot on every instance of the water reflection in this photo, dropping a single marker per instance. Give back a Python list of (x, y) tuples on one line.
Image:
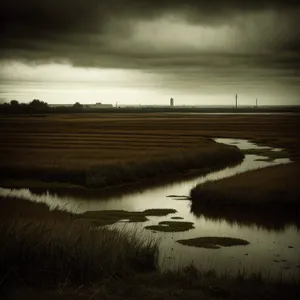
[(272, 221), (128, 198), (268, 237)]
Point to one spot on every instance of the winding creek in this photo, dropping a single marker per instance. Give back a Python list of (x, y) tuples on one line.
[(271, 250)]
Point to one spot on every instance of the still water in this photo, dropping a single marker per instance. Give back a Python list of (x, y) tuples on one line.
[(271, 251)]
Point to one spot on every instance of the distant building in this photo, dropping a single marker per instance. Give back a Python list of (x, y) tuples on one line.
[(101, 105), (85, 106), (171, 102), (60, 105)]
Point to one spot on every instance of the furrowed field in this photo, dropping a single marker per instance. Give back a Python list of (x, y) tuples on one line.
[(98, 150)]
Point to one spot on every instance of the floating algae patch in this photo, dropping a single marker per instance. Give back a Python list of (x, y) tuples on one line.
[(171, 226), (212, 242), (107, 217)]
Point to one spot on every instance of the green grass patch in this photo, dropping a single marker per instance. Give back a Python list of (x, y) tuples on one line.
[(213, 242), (171, 226)]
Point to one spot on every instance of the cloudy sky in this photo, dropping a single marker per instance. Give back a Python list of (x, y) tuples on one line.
[(146, 51)]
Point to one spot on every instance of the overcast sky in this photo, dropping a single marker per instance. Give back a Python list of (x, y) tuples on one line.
[(146, 51)]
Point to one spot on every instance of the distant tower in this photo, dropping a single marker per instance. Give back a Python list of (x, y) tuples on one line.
[(171, 102), (236, 100), (256, 103)]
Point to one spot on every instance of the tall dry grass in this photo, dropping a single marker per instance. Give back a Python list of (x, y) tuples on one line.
[(43, 248), (49, 254), (268, 197)]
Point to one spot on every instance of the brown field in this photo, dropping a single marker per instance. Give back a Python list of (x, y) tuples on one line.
[(98, 137), (73, 148), (97, 150)]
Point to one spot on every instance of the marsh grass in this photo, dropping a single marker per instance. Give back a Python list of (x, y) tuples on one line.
[(122, 172), (276, 187), (186, 284), (45, 255), (51, 253), (273, 202), (97, 151), (46, 249)]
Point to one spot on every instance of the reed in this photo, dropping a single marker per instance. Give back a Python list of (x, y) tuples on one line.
[(50, 253)]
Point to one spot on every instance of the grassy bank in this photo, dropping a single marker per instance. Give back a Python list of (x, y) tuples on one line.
[(97, 151), (48, 253), (50, 249), (265, 196), (187, 284), (45, 255)]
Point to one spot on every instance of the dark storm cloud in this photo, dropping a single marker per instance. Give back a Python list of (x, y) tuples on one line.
[(103, 33), (90, 15)]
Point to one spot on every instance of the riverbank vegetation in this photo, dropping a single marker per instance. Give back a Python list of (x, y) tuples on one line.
[(101, 150), (109, 149), (46, 255), (41, 248), (264, 197), (38, 108)]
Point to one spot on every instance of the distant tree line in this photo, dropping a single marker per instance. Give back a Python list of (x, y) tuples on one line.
[(36, 106)]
